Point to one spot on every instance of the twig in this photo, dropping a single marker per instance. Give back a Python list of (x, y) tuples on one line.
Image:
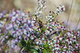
[(69, 14)]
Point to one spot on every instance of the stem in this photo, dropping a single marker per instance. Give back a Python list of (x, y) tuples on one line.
[(78, 21), (77, 24), (69, 14)]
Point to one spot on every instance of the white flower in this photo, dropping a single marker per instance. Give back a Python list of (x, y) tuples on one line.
[(1, 25), (60, 38), (36, 47), (13, 19), (28, 35), (20, 37), (1, 37), (14, 13), (6, 37), (63, 8), (32, 37), (56, 48), (43, 38), (50, 29), (50, 19), (51, 43), (12, 46), (24, 31), (22, 14), (33, 21), (37, 42), (68, 33), (52, 49)]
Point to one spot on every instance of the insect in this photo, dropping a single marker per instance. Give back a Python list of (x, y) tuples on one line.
[(40, 24)]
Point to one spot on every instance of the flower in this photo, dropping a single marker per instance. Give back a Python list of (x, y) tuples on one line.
[(24, 28)]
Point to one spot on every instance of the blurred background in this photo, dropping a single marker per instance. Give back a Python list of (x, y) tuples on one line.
[(71, 14)]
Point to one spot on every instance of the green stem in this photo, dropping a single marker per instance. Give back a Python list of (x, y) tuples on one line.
[(69, 14)]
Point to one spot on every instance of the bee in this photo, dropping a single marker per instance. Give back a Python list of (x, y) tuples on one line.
[(40, 24)]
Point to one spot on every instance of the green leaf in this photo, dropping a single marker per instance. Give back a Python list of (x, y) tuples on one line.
[(8, 34), (43, 29), (38, 20), (46, 45), (23, 42), (35, 29), (61, 34), (45, 51), (51, 52), (28, 48), (19, 44), (21, 48), (34, 50), (2, 34)]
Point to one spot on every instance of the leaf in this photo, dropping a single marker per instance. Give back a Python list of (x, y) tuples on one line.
[(35, 29), (19, 44), (43, 29), (34, 50), (28, 48), (46, 45), (38, 20), (2, 34), (51, 52), (21, 48), (61, 34), (45, 51), (23, 42), (8, 34)]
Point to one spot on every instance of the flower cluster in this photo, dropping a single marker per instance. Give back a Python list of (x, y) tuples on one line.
[(40, 8), (60, 9), (53, 24), (64, 40), (24, 30), (19, 24)]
